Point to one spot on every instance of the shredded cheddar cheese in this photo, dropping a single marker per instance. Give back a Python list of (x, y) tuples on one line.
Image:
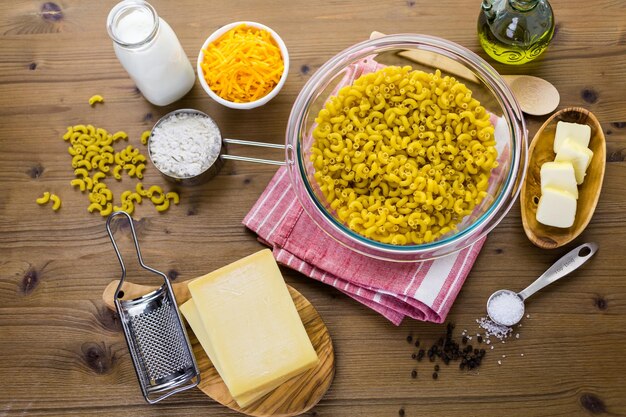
[(243, 65)]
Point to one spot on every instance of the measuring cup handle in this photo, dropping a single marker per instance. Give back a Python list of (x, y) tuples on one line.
[(564, 266), (251, 143)]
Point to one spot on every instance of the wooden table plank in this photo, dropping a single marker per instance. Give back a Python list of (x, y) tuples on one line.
[(63, 353)]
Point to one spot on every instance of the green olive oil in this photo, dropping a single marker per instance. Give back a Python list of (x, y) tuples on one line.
[(515, 31)]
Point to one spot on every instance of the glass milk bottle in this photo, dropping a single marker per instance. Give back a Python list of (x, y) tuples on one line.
[(150, 52), (515, 31)]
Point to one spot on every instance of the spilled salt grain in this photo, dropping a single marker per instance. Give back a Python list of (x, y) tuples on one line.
[(493, 329)]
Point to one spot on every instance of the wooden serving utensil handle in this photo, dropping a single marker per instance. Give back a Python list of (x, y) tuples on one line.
[(131, 291)]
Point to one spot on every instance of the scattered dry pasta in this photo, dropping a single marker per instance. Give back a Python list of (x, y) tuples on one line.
[(94, 159), (144, 137), (401, 155), (56, 202), (44, 198), (47, 197), (97, 98)]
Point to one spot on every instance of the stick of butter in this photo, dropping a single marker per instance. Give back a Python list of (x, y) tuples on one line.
[(580, 134), (559, 175), (580, 158), (556, 208), (252, 331)]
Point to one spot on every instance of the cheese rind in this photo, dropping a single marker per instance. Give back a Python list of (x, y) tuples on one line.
[(578, 156), (256, 334), (556, 208), (559, 175), (578, 133)]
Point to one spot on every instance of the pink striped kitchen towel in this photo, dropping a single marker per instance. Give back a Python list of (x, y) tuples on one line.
[(421, 290)]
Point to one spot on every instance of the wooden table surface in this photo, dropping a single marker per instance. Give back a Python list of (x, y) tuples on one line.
[(62, 352)]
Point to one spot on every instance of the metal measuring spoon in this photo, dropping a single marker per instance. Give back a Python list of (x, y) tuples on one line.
[(564, 266)]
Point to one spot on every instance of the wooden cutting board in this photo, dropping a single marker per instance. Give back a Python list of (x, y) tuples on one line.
[(292, 398)]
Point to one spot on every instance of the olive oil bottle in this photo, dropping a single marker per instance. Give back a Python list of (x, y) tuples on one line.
[(515, 31)]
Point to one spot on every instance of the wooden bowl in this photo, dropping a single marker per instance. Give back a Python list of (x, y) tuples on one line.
[(541, 151)]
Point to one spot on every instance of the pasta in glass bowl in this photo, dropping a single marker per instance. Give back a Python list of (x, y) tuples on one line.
[(406, 148)]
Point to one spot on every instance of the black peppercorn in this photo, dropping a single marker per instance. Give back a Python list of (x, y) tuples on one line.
[(447, 349)]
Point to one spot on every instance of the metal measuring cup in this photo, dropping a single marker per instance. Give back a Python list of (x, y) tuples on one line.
[(216, 161)]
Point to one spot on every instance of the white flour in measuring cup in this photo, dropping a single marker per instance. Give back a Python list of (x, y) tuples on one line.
[(185, 145)]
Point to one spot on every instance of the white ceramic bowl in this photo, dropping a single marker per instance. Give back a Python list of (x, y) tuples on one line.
[(251, 104)]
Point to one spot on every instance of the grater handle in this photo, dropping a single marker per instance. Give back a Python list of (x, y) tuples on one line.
[(119, 255)]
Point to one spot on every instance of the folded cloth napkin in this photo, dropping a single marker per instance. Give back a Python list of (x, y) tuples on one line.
[(420, 290)]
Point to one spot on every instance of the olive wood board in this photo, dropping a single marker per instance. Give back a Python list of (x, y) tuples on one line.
[(293, 397), (541, 151)]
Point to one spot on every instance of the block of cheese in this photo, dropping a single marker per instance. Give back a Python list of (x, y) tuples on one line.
[(189, 311), (578, 133), (556, 208), (252, 325), (559, 175), (580, 158)]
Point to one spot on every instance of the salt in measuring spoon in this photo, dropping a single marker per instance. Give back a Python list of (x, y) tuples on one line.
[(506, 307)]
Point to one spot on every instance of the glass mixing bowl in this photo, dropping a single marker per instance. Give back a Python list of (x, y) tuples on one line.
[(424, 53)]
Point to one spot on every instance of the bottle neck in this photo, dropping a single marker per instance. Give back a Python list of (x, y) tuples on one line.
[(524, 5), (133, 24)]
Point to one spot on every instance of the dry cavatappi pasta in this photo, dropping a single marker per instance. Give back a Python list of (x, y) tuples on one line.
[(402, 155), (94, 159)]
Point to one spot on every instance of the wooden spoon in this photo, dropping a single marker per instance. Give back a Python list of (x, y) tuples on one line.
[(535, 95), (292, 398), (541, 150)]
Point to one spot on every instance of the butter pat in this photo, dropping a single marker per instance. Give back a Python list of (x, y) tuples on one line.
[(559, 175), (556, 208), (578, 156), (254, 335), (579, 134)]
